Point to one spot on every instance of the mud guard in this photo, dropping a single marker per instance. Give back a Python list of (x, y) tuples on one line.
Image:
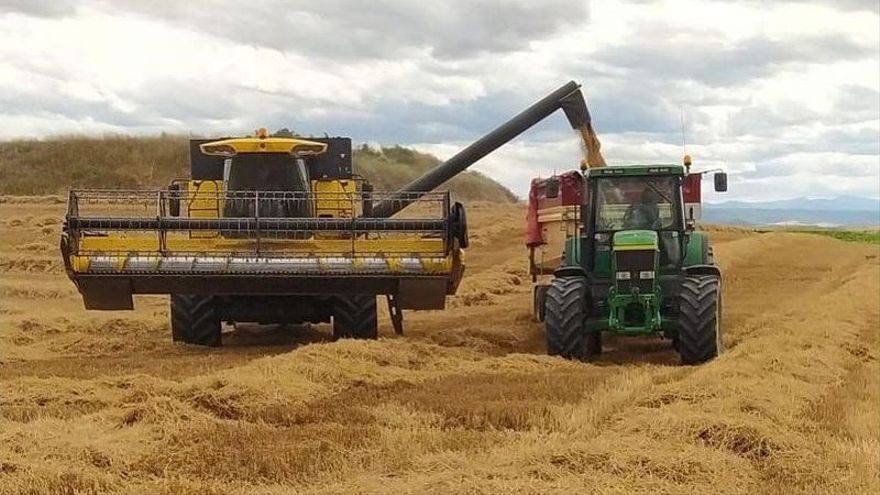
[(702, 271), (570, 271)]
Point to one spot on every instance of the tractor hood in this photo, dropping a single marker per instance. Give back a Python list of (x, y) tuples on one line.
[(635, 240)]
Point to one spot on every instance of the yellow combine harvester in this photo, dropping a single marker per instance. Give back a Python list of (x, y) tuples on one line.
[(280, 230)]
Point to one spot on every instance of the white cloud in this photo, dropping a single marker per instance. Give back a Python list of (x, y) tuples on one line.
[(784, 95)]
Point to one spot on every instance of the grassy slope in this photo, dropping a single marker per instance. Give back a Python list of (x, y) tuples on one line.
[(869, 236), (36, 167)]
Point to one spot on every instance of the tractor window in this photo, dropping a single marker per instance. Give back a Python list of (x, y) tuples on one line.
[(629, 203), (266, 172)]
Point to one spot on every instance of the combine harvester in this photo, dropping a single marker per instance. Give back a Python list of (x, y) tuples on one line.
[(280, 230), (621, 246)]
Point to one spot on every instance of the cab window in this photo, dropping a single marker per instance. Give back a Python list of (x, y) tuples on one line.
[(636, 203), (266, 172)]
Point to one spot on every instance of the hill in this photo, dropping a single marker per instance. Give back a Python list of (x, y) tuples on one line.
[(52, 166)]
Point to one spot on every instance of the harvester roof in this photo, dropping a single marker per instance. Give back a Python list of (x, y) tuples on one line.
[(234, 146), (635, 170)]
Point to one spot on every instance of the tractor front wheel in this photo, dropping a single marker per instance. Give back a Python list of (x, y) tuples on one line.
[(194, 320), (564, 317), (354, 317), (699, 328)]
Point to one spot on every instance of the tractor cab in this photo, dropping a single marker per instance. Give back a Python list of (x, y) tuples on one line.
[(638, 198)]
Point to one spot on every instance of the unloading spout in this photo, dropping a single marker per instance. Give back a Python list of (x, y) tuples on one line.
[(568, 97)]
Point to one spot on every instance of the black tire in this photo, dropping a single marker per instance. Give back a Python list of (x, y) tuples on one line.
[(195, 320), (564, 315), (699, 324), (354, 317), (458, 225), (539, 297)]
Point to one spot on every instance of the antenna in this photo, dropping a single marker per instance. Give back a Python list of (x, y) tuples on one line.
[(686, 160), (683, 141)]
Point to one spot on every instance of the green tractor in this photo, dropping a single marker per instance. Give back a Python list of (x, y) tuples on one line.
[(631, 260)]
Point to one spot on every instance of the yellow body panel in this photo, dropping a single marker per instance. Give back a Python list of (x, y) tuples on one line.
[(204, 202), (336, 198), (637, 247), (262, 145), (185, 244)]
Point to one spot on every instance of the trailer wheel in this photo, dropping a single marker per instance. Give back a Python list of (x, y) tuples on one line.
[(564, 314), (539, 298), (592, 344), (354, 317), (699, 325), (194, 320)]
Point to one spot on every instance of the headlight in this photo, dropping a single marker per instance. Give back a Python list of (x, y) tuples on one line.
[(302, 150), (646, 275), (623, 275), (218, 150)]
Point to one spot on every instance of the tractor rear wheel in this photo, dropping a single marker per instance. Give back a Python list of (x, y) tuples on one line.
[(699, 326), (194, 320), (564, 315), (354, 317)]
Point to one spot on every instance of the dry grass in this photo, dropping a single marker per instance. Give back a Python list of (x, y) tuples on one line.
[(467, 402), (32, 168)]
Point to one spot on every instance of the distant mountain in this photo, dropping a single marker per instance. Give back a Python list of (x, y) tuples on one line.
[(842, 203), (846, 211)]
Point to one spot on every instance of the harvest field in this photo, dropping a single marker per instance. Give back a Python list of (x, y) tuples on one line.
[(466, 402)]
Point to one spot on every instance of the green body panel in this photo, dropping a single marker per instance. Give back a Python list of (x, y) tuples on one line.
[(634, 239), (620, 300), (572, 254), (694, 254), (602, 264)]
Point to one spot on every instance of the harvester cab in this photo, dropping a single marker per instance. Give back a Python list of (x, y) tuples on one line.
[(621, 246), (280, 230)]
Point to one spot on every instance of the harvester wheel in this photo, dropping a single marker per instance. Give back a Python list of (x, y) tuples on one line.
[(194, 320), (354, 317), (699, 328), (564, 314)]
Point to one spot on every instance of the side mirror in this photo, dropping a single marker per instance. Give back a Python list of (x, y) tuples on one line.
[(552, 188), (720, 182)]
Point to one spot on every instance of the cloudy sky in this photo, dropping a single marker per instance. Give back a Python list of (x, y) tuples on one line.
[(783, 95)]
